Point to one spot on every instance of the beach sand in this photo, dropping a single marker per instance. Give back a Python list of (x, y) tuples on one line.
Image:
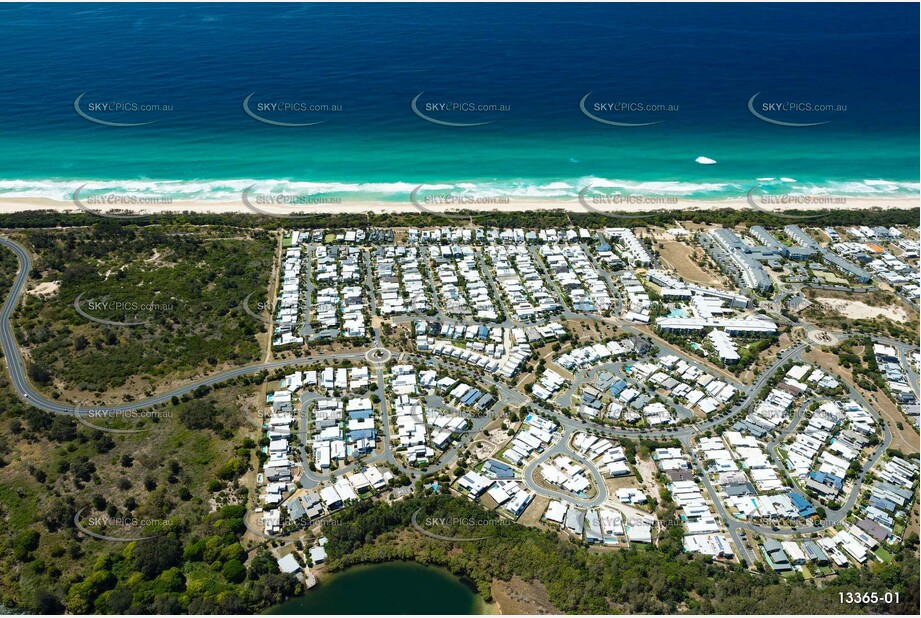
[(11, 205)]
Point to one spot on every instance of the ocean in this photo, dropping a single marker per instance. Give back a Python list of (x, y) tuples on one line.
[(632, 98)]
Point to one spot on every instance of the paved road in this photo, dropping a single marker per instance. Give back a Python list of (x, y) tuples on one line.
[(904, 351), (7, 341), (732, 525), (562, 447), (307, 293), (833, 517), (25, 390), (778, 438), (507, 396)]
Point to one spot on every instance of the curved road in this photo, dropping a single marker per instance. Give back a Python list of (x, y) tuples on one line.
[(562, 447), (25, 390)]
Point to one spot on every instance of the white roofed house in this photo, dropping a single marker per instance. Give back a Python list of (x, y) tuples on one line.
[(281, 400), (289, 564), (330, 497), (271, 521), (345, 490), (556, 512), (475, 483)]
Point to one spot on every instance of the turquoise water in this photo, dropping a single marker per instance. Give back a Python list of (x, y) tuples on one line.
[(366, 65), (389, 588)]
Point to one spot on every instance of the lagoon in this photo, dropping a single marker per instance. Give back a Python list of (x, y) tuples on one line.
[(389, 588)]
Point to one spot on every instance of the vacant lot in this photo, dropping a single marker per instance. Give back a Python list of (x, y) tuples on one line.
[(532, 515), (517, 596), (858, 310), (874, 313), (765, 358), (681, 257)]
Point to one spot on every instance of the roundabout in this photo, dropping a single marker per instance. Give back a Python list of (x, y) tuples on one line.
[(378, 356)]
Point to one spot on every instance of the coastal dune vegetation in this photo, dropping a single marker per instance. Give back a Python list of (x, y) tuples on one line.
[(179, 288), (725, 217)]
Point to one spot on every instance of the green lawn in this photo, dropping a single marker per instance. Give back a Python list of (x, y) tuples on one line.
[(883, 554)]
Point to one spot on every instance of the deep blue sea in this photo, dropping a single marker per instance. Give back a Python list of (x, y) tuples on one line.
[(181, 73)]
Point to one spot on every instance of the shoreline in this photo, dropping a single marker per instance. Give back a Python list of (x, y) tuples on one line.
[(20, 205), (329, 579)]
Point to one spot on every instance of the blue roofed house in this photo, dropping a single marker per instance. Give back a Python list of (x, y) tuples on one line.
[(498, 469), (618, 387), (802, 505)]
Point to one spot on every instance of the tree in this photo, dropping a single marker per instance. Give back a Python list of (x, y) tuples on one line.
[(63, 429), (262, 564), (234, 571), (198, 414), (38, 373), (81, 595), (120, 600), (274, 588), (47, 603), (26, 542), (153, 556)]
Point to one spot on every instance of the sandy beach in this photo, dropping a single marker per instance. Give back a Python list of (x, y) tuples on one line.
[(13, 205)]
